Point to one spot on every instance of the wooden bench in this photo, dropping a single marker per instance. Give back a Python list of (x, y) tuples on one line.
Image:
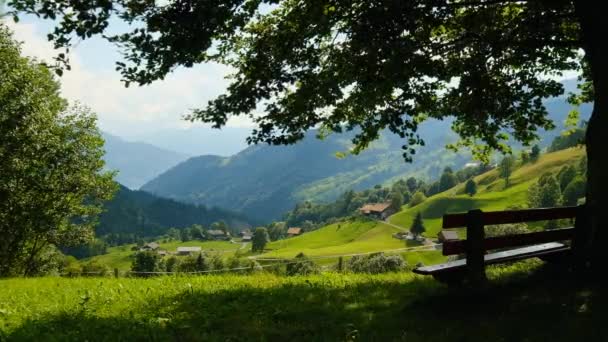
[(548, 245)]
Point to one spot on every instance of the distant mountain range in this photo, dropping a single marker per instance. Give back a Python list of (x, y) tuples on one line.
[(136, 162), (263, 182), (197, 141)]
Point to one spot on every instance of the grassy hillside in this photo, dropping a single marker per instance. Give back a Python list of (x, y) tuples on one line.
[(327, 307), (491, 195), (121, 257), (350, 237)]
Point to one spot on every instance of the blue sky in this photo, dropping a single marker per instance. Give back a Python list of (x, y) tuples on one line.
[(131, 112)]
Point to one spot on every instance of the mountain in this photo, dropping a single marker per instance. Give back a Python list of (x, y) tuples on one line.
[(143, 214), (196, 141), (137, 162), (264, 181)]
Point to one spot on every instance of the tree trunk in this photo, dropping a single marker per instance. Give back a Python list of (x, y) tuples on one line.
[(595, 43)]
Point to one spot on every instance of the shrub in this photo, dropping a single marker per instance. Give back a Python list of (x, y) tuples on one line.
[(301, 265), (376, 263), (417, 199), (95, 269)]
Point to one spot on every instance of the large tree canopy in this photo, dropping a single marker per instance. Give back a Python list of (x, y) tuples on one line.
[(51, 181), (346, 64)]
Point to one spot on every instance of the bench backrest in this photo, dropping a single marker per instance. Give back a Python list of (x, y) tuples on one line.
[(475, 220)]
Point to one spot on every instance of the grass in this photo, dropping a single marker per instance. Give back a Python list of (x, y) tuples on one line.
[(519, 305), (491, 195), (355, 236), (121, 257)]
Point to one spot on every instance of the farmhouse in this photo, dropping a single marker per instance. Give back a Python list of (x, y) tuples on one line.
[(294, 231), (376, 210), (152, 246), (188, 250), (247, 238), (216, 234), (245, 232), (447, 235)]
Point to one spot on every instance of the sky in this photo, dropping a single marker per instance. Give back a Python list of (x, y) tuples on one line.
[(126, 112)]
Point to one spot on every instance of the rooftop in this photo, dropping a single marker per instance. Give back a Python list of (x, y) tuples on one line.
[(375, 207), (294, 231)]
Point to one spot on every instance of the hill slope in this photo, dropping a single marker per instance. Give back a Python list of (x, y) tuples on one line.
[(137, 162), (491, 192), (143, 214), (265, 181)]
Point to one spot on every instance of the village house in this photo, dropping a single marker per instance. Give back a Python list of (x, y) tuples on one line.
[(447, 235), (294, 231), (216, 234), (152, 246), (188, 250), (247, 238), (245, 232), (376, 210)]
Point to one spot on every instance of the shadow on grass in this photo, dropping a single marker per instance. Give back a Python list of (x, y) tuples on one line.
[(537, 307)]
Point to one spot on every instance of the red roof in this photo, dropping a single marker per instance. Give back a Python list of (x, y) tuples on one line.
[(294, 231)]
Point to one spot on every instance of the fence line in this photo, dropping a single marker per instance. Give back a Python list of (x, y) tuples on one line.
[(405, 249), (252, 267)]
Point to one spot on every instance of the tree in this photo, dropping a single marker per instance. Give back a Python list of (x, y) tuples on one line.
[(301, 265), (396, 201), (52, 182), (565, 176), (146, 262), (417, 199), (277, 230), (412, 184), (417, 227), (201, 263), (574, 191), (505, 168), (354, 64), (448, 180), (259, 240), (525, 157), (545, 193), (470, 187), (535, 153), (174, 233)]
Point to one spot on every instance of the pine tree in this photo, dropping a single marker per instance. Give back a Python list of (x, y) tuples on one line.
[(471, 187), (417, 226)]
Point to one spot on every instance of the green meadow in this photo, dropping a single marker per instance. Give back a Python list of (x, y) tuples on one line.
[(324, 307)]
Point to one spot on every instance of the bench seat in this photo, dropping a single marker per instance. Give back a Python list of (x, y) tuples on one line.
[(541, 250)]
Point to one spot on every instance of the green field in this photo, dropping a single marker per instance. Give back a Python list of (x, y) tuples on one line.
[(491, 195), (121, 257), (518, 306)]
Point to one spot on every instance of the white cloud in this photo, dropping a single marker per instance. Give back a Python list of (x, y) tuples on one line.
[(129, 111)]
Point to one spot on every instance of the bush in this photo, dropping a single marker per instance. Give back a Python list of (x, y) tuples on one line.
[(417, 199), (376, 263), (301, 265), (95, 269)]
